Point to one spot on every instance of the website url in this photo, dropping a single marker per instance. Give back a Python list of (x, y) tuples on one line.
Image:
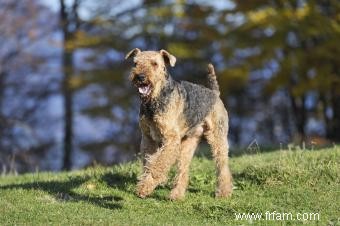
[(278, 216)]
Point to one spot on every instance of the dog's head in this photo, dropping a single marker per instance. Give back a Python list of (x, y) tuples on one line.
[(149, 72)]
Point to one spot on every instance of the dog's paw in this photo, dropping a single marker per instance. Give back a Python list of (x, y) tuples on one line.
[(143, 191), (176, 194), (223, 193), (145, 186), (141, 194)]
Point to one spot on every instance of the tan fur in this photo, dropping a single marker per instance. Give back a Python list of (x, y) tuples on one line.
[(166, 137), (216, 135), (188, 147), (145, 61)]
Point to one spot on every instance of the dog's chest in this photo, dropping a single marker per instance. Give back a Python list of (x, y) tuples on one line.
[(151, 128), (155, 108), (155, 133), (151, 109)]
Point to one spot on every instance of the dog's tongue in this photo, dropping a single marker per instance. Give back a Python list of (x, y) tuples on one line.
[(143, 90)]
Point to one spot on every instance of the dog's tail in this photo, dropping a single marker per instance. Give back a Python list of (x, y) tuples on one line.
[(212, 80)]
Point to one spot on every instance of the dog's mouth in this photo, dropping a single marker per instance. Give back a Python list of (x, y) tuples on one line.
[(144, 89)]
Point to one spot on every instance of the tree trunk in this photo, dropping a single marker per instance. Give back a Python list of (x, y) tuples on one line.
[(335, 122), (325, 104), (2, 119), (300, 115), (68, 113), (239, 110), (68, 18)]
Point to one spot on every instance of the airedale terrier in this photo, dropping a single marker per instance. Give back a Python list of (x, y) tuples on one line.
[(174, 115)]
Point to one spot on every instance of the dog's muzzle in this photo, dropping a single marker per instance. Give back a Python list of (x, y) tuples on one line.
[(144, 87)]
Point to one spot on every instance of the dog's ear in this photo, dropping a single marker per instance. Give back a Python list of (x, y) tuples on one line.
[(132, 53), (168, 58)]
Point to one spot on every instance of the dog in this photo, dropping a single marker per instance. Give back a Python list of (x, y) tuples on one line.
[(174, 116)]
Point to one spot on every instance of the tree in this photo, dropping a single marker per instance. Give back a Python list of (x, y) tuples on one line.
[(20, 98), (299, 41), (69, 22)]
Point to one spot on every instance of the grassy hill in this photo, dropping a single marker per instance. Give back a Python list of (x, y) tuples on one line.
[(296, 182)]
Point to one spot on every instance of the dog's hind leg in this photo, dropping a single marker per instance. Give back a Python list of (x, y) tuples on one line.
[(216, 136)]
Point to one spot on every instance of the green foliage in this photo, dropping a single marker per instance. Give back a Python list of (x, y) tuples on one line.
[(301, 36), (296, 41), (283, 181)]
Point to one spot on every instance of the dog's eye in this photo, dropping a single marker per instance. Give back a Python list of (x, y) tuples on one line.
[(154, 63), (135, 64)]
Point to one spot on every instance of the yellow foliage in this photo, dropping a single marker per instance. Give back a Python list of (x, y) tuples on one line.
[(182, 50), (233, 79), (75, 82), (179, 9), (161, 11), (81, 39), (336, 26), (298, 14), (261, 16), (264, 15), (302, 12)]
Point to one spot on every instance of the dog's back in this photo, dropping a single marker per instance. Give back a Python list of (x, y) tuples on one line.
[(198, 102)]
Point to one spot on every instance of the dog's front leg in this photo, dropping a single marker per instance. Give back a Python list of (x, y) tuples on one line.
[(158, 165), (147, 148)]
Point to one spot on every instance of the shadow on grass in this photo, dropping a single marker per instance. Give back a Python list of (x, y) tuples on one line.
[(63, 191), (119, 181), (127, 183)]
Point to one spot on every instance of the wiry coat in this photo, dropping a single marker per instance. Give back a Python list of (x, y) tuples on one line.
[(173, 118), (198, 101)]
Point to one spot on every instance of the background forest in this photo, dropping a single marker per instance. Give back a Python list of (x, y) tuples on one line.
[(65, 98)]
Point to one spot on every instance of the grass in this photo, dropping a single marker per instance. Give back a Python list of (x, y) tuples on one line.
[(282, 181)]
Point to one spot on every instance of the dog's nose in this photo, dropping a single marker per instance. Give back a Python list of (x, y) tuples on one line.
[(141, 77)]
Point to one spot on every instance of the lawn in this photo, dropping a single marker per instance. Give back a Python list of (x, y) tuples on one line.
[(292, 182)]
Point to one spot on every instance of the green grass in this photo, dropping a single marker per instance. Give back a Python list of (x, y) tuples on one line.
[(282, 181)]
